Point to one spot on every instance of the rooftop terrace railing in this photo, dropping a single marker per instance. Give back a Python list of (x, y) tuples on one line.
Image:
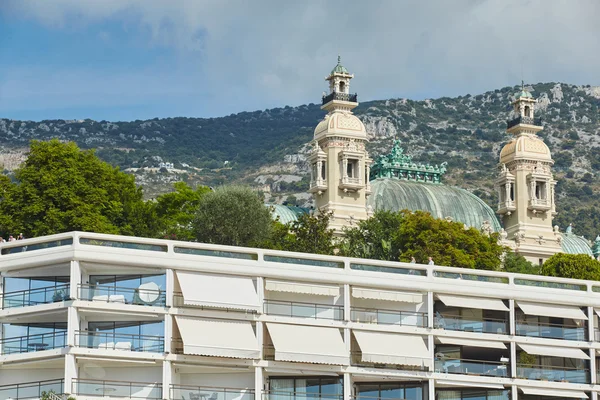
[(34, 297), (112, 294), (31, 390), (156, 248), (209, 393), (119, 341), (32, 343), (123, 390)]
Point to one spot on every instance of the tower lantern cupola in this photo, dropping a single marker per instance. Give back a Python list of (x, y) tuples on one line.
[(339, 97)]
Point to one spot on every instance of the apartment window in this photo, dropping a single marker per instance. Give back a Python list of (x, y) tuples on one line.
[(20, 284), (472, 394), (127, 281), (408, 391), (128, 328), (328, 387)]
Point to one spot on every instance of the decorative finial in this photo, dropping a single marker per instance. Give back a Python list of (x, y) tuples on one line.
[(522, 85), (339, 59)]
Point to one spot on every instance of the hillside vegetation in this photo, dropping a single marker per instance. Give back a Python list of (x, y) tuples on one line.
[(267, 148)]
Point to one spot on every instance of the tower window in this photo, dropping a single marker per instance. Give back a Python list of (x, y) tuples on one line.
[(512, 193), (527, 111), (323, 174), (540, 190), (342, 87)]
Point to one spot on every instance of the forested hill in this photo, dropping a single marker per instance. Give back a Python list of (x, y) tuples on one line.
[(266, 148)]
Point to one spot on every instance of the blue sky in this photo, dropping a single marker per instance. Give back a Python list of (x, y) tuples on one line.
[(140, 59)]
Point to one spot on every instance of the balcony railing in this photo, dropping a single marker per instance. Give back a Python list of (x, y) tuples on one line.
[(459, 323), (303, 310), (33, 297), (341, 97), (388, 317), (281, 395), (209, 393), (127, 390), (523, 120), (32, 343), (553, 331), (120, 341), (108, 294), (412, 363), (471, 367), (31, 390), (556, 374)]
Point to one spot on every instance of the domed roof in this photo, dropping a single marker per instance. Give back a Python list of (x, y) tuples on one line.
[(573, 244), (439, 200), (339, 68), (287, 214), (525, 147), (341, 122), (524, 93)]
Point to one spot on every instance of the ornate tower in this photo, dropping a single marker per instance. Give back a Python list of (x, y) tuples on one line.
[(526, 186), (339, 160)]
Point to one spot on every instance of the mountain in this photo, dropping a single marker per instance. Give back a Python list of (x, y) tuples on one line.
[(268, 148)]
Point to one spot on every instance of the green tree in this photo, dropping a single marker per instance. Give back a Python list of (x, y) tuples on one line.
[(61, 188), (308, 234), (575, 266), (400, 236), (518, 264), (176, 211), (232, 215)]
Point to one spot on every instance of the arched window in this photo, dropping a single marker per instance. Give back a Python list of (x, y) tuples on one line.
[(527, 111), (342, 87)]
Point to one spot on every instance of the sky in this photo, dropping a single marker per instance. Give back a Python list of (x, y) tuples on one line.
[(122, 60)]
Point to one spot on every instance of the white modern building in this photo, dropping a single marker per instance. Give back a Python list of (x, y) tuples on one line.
[(102, 316)]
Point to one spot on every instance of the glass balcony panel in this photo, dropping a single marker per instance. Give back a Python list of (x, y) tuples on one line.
[(388, 317), (555, 374), (458, 323), (123, 295), (212, 393), (303, 310), (552, 331), (128, 390), (120, 341), (280, 395), (471, 367), (32, 343), (25, 298), (30, 390)]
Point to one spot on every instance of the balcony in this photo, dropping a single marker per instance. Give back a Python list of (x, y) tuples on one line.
[(348, 184), (209, 393), (319, 185), (122, 390), (34, 297), (303, 310), (119, 341), (505, 207), (555, 374), (111, 294), (33, 343), (539, 205), (340, 97), (471, 367), (31, 390), (522, 120), (388, 317), (460, 323), (551, 331), (281, 395)]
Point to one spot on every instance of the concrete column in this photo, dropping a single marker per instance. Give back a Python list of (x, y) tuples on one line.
[(594, 396), (260, 288), (167, 379), (593, 366), (168, 333), (431, 388), (170, 283), (347, 303), (347, 386), (259, 383), (73, 325), (514, 394), (75, 279), (71, 373), (430, 315), (591, 326), (512, 314), (348, 340), (513, 360), (260, 337)]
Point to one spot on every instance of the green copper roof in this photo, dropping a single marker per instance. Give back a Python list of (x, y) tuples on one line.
[(524, 93), (399, 165), (339, 68), (287, 214), (439, 200), (573, 244)]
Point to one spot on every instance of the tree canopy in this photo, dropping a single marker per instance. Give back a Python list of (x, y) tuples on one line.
[(401, 235), (61, 188), (575, 266), (308, 234), (232, 215)]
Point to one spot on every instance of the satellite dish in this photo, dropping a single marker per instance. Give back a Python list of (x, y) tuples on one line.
[(148, 292)]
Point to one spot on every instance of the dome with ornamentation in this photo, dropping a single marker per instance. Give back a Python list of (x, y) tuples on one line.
[(525, 147), (343, 123), (573, 244), (339, 68)]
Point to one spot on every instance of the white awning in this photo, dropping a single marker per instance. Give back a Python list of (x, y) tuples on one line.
[(551, 310), (219, 291), (303, 288), (388, 295), (554, 351), (572, 394), (472, 343), (472, 302), (392, 348), (310, 344), (218, 338)]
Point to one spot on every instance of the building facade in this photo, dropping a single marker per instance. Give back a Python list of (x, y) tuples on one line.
[(114, 317)]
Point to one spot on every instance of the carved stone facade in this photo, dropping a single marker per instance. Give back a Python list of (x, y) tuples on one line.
[(339, 161), (525, 184)]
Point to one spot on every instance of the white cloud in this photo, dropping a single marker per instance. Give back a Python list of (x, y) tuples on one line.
[(275, 52)]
